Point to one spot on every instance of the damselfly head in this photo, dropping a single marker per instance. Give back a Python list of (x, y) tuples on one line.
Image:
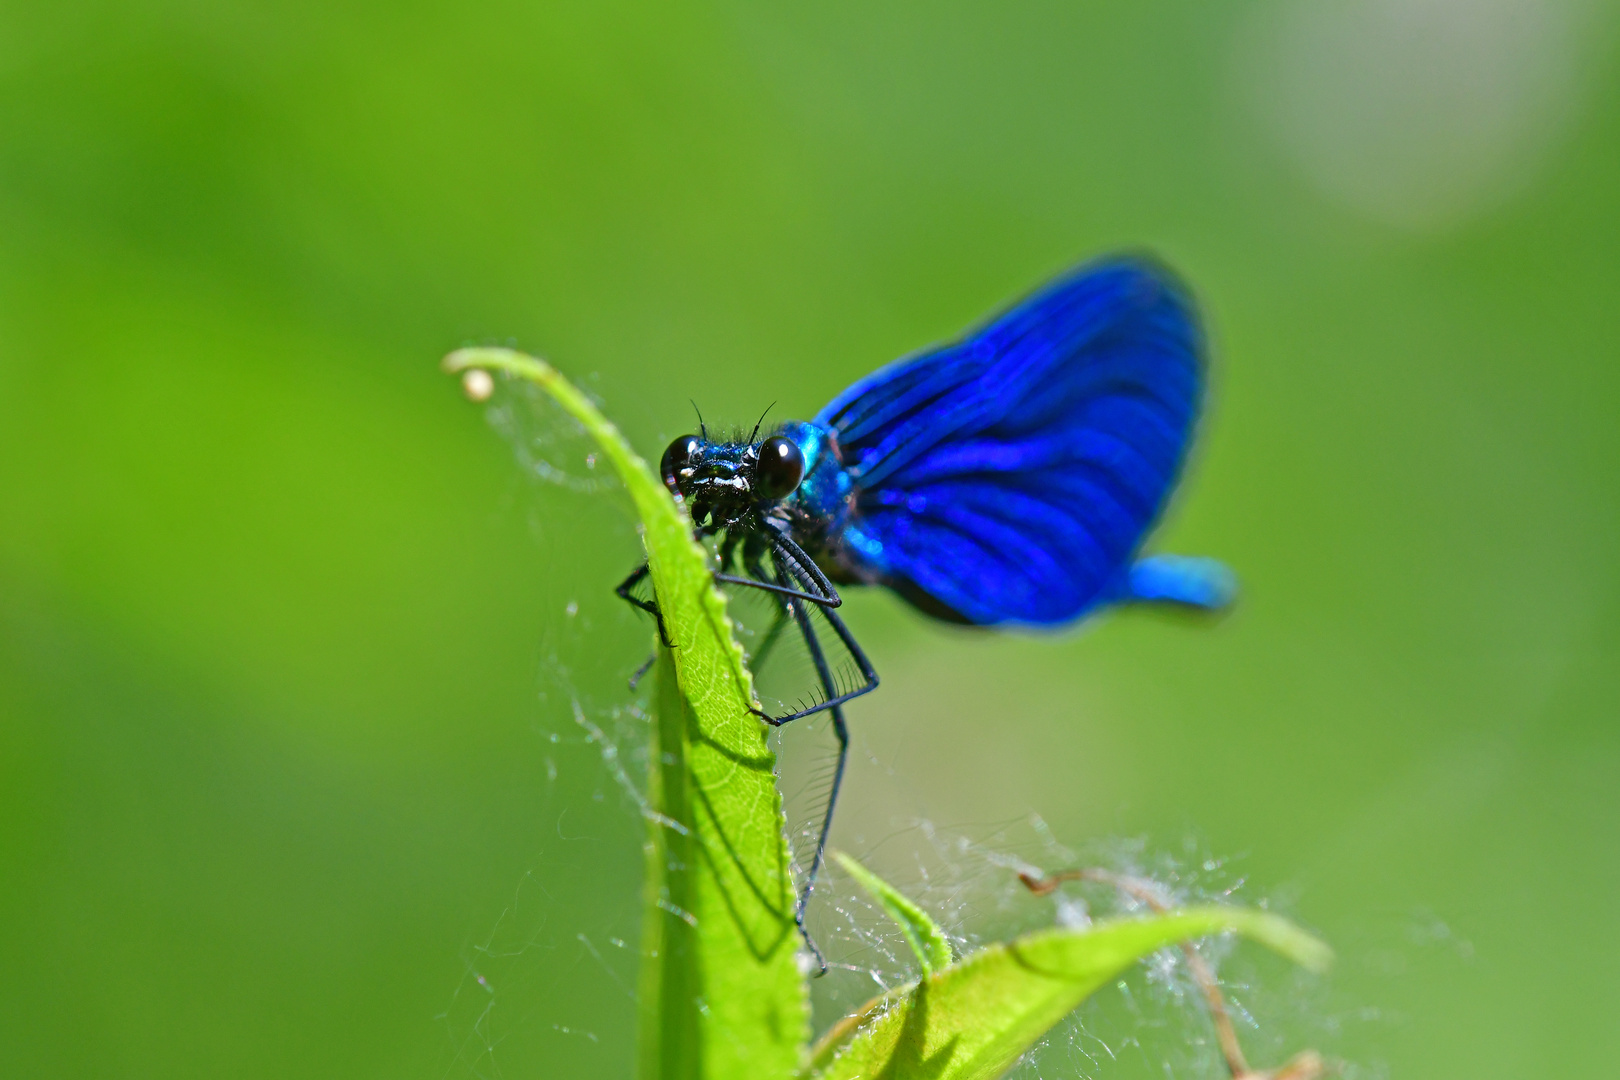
[(723, 481)]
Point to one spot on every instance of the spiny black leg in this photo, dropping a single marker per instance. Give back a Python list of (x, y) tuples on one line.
[(787, 571), (842, 731), (839, 729), (868, 673), (642, 670), (752, 565), (649, 606), (795, 567), (789, 591), (804, 568), (801, 568)]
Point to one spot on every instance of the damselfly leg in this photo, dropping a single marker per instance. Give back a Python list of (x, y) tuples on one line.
[(626, 592), (798, 584), (841, 732), (795, 584)]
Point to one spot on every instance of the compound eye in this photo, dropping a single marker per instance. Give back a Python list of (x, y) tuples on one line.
[(683, 452), (780, 468)]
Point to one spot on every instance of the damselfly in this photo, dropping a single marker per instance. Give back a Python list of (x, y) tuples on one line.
[(1006, 479)]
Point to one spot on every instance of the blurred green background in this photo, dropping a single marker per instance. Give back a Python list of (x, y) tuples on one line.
[(286, 762)]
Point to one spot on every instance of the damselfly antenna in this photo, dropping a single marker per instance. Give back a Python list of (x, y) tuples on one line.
[(703, 432), (760, 421)]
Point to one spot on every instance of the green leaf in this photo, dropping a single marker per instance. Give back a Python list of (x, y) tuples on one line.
[(974, 1020), (927, 940), (721, 993)]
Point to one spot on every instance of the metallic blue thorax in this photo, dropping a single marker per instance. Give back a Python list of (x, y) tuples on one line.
[(821, 505)]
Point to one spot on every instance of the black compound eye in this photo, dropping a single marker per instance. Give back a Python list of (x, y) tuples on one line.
[(681, 453), (780, 468)]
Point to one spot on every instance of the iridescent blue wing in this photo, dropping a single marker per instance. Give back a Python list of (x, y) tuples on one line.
[(1011, 476)]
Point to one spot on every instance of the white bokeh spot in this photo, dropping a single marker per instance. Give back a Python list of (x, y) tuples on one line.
[(1421, 114)]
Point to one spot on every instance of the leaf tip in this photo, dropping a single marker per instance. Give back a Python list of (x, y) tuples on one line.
[(459, 360), (1316, 955), (927, 940), (1282, 936)]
